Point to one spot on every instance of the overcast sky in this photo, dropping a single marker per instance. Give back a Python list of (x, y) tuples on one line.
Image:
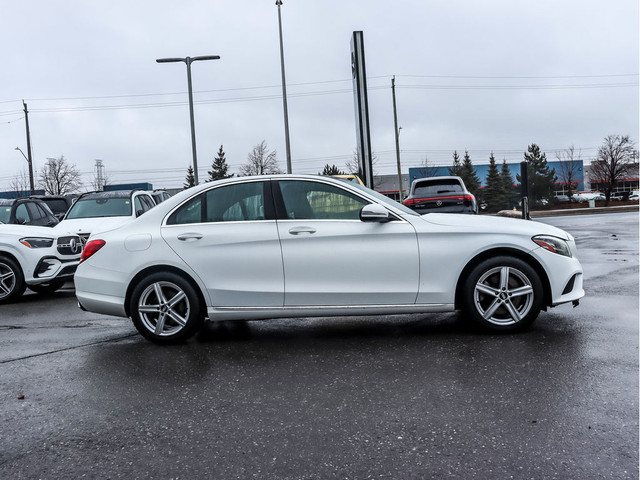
[(492, 75)]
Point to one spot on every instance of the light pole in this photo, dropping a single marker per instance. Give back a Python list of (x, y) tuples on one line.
[(284, 92), (188, 61), (33, 191)]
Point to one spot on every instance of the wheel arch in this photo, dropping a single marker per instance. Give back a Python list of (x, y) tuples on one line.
[(9, 255), (496, 252), (163, 268)]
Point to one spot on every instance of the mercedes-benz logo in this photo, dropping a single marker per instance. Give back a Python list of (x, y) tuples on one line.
[(75, 246)]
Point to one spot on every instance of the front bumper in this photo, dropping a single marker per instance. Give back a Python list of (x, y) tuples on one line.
[(53, 268)]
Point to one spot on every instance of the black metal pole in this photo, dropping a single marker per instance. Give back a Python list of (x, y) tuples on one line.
[(29, 157), (524, 190)]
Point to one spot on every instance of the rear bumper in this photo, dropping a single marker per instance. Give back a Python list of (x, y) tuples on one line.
[(99, 303)]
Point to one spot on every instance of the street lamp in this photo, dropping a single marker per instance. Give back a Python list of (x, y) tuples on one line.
[(31, 184), (284, 92), (188, 61)]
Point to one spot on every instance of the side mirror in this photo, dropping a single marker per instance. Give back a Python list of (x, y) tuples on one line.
[(20, 221), (374, 213), (139, 212)]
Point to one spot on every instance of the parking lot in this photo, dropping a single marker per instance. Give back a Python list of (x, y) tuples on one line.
[(415, 396)]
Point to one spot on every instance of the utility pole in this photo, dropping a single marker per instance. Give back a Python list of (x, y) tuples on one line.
[(397, 131), (284, 92), (29, 157)]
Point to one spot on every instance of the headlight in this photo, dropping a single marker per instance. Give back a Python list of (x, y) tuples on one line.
[(553, 244), (36, 242)]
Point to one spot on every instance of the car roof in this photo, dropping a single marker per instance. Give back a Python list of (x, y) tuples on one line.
[(108, 194), (443, 177)]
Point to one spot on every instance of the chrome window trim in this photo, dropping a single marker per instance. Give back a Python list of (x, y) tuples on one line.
[(204, 192)]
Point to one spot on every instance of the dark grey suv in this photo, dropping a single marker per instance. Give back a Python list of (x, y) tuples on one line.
[(26, 211), (441, 195)]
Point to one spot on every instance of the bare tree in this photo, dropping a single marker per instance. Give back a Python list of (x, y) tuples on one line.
[(20, 183), (352, 165), (614, 161), (59, 177), (260, 162), (569, 161)]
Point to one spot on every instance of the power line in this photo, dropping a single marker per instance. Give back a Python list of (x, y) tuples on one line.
[(322, 82), (519, 87), (524, 77)]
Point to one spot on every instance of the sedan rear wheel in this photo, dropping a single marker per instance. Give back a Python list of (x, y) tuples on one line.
[(11, 280), (503, 294), (165, 308)]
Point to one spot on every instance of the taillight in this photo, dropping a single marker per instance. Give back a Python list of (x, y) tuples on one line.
[(409, 201), (90, 248)]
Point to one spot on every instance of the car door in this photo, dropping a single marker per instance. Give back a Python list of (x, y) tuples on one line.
[(41, 216), (229, 237), (332, 258)]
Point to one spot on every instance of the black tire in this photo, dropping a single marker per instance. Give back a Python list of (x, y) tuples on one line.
[(171, 319), (503, 294), (46, 288), (11, 280)]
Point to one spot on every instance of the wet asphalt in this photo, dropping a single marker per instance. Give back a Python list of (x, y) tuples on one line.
[(400, 397)]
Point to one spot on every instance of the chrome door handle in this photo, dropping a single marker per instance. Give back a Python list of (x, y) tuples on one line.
[(299, 230), (189, 237)]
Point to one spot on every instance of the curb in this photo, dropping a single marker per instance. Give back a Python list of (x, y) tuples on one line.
[(570, 211)]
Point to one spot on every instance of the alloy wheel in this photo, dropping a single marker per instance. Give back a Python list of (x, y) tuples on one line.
[(7, 280), (164, 308), (503, 295)]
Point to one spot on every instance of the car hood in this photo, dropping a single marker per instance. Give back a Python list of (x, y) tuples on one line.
[(91, 225), (493, 224), (29, 231)]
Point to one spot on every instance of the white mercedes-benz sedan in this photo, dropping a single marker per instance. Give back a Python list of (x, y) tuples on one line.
[(251, 248)]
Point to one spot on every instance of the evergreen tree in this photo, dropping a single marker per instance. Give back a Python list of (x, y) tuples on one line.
[(510, 190), (190, 179), (456, 168), (329, 170), (219, 167), (469, 175), (542, 178), (494, 193)]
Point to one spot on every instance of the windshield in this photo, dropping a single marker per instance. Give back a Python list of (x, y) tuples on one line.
[(386, 200), (100, 207)]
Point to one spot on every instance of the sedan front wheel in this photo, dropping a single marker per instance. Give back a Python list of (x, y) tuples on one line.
[(503, 294), (165, 308)]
